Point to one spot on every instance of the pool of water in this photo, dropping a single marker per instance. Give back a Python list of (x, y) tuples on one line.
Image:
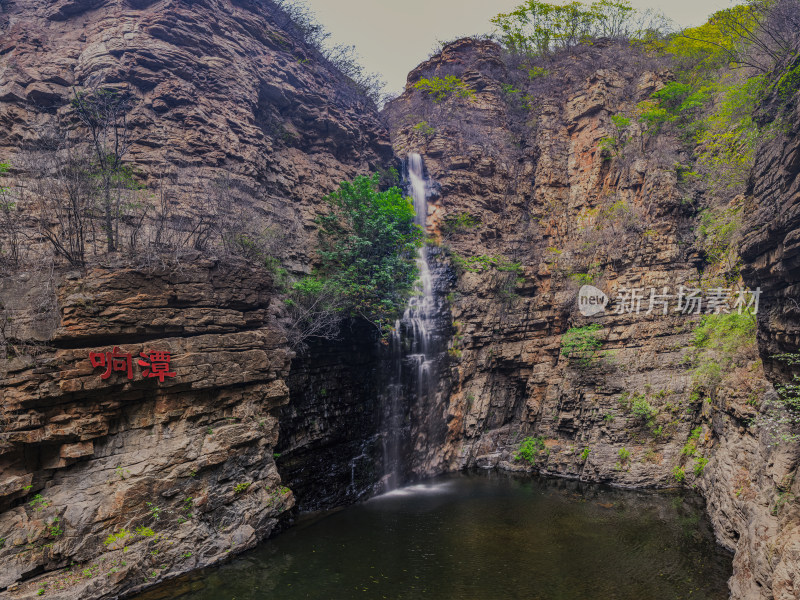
[(476, 537)]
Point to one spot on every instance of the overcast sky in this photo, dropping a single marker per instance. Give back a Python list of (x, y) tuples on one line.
[(394, 36)]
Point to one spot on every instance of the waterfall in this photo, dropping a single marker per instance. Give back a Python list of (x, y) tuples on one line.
[(419, 313), (413, 376)]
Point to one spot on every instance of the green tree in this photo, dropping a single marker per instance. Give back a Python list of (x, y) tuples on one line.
[(368, 242), (758, 34), (531, 449), (537, 28)]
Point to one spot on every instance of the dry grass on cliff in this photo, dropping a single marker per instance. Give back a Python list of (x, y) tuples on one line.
[(355, 83)]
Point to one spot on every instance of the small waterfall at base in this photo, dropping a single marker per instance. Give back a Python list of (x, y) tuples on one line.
[(413, 343)]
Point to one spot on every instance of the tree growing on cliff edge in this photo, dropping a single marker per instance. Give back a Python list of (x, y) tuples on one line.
[(367, 246), (9, 243), (295, 17), (75, 183), (537, 28), (103, 115), (757, 34)]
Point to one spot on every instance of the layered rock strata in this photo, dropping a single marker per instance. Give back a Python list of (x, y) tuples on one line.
[(534, 174), (111, 484)]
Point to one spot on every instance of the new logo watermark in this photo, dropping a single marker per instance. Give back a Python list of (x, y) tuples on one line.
[(591, 301), (688, 301)]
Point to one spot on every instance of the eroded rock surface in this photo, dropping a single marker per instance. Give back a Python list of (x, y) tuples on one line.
[(181, 471), (219, 89), (540, 178)]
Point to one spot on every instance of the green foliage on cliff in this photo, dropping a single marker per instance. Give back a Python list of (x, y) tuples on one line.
[(481, 262), (721, 342), (642, 409), (780, 418), (789, 83), (441, 88), (790, 392), (718, 234), (616, 142), (115, 537), (699, 464), (676, 102), (538, 28), (424, 129), (531, 449), (581, 345), (728, 137), (146, 532), (710, 46), (690, 448), (367, 247), (458, 223)]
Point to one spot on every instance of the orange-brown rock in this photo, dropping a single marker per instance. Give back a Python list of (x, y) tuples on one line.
[(181, 470), (534, 163)]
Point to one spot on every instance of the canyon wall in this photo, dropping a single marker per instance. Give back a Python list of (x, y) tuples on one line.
[(534, 183), (108, 486), (181, 471)]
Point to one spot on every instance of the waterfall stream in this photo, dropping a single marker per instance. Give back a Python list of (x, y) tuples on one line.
[(419, 313), (413, 358)]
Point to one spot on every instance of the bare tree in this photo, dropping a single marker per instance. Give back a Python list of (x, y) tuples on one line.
[(240, 228), (103, 113), (314, 311), (759, 34), (10, 219), (61, 192)]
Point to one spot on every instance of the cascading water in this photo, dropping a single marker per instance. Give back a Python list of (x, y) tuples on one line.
[(414, 354), (419, 313)]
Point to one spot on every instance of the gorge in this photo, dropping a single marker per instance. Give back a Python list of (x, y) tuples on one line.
[(529, 182)]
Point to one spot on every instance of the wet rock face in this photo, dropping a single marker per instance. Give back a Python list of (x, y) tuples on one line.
[(188, 459), (330, 444)]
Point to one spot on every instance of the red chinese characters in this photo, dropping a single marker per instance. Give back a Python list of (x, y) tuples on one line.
[(112, 361), (154, 363)]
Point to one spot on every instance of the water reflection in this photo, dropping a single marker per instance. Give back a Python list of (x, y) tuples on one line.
[(487, 537)]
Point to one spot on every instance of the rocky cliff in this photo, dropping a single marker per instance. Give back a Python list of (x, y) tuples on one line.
[(111, 485), (536, 200), (218, 87), (538, 194)]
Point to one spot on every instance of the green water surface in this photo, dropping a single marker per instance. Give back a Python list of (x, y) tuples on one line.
[(482, 537)]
